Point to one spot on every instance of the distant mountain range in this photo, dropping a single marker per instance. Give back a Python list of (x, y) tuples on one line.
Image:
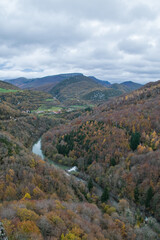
[(75, 86), (41, 83)]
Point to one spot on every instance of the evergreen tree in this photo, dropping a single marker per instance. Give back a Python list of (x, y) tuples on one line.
[(135, 140), (105, 195), (112, 161), (90, 184), (136, 194), (149, 196)]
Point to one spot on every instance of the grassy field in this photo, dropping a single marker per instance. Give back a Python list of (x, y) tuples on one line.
[(3, 90), (81, 106), (45, 108), (50, 100)]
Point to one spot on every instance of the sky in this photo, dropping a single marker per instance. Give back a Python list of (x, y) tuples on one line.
[(116, 40)]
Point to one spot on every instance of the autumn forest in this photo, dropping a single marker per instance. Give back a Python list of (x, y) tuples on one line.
[(99, 178)]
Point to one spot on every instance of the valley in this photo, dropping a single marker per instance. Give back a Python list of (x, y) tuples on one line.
[(110, 134)]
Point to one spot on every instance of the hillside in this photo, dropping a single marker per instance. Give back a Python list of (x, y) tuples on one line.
[(116, 149), (7, 87), (84, 88), (111, 91), (74, 88), (118, 146), (37, 200)]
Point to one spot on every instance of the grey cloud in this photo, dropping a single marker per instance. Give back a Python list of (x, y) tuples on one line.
[(133, 46), (142, 11), (114, 40)]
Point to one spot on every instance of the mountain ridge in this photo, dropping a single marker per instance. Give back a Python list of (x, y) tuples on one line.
[(76, 85), (39, 82)]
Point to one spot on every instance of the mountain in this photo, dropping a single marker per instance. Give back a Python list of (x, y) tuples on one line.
[(48, 82), (89, 89), (131, 86), (75, 88), (35, 83), (102, 82)]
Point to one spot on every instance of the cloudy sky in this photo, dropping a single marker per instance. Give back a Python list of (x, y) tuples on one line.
[(116, 40)]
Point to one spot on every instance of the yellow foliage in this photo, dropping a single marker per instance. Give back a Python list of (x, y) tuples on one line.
[(10, 193), (109, 210), (32, 163), (55, 218), (59, 205), (75, 234), (153, 135), (28, 227), (27, 196), (141, 149), (38, 193), (122, 227), (25, 214)]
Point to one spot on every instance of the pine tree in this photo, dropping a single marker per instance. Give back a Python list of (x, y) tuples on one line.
[(135, 140), (105, 195), (90, 184), (149, 196), (136, 194)]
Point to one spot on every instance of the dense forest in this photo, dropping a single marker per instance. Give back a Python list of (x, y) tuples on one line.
[(118, 146), (115, 194)]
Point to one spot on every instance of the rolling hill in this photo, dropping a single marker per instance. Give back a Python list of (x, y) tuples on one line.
[(7, 86), (75, 88), (36, 83)]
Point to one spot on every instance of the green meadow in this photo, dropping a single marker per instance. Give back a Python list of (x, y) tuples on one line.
[(3, 90)]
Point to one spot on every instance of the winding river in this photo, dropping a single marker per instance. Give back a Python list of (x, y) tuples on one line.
[(36, 149)]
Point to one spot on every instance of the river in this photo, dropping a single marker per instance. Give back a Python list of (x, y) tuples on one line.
[(36, 149)]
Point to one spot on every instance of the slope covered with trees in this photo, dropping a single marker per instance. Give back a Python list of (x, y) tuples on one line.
[(118, 146)]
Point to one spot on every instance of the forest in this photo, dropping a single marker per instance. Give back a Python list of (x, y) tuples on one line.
[(115, 194)]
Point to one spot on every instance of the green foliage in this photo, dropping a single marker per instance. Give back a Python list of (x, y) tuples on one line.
[(2, 90), (136, 194), (90, 184), (135, 140), (112, 161), (149, 196), (105, 195)]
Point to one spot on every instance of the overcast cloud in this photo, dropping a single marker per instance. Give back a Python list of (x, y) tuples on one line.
[(116, 40)]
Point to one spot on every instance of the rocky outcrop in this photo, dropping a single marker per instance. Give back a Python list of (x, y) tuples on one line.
[(2, 233)]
